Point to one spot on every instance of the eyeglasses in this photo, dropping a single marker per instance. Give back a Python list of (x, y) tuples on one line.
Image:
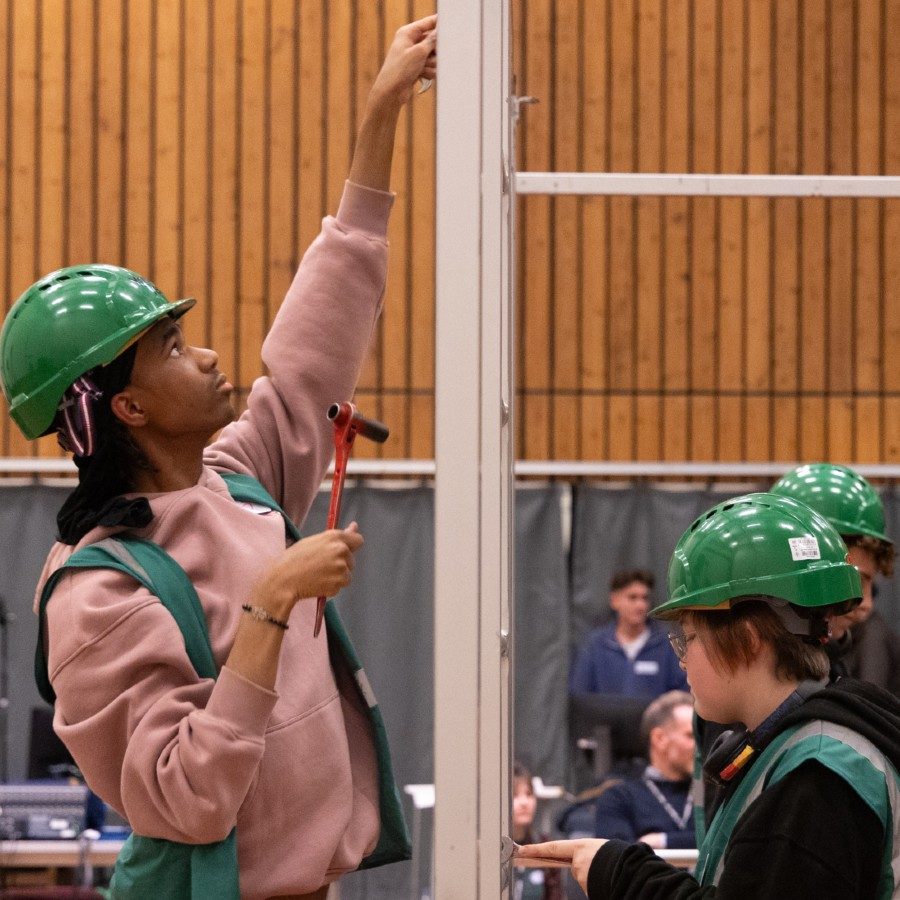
[(679, 641)]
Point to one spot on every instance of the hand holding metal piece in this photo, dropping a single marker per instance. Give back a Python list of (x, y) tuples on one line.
[(347, 424), (425, 84), (510, 853)]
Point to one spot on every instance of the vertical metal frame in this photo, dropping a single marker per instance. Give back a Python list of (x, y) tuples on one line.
[(473, 450)]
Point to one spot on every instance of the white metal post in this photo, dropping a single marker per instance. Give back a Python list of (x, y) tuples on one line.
[(473, 513)]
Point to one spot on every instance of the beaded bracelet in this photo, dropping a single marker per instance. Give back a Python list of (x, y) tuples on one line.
[(262, 615)]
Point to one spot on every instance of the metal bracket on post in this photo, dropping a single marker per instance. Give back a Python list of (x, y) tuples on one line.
[(516, 104), (507, 848), (515, 110)]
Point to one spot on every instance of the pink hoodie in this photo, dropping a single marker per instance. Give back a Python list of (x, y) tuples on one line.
[(185, 758)]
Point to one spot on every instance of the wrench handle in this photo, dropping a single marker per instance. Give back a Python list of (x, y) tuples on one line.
[(344, 414), (343, 441), (347, 424)]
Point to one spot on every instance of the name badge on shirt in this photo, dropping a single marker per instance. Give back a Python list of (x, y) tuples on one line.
[(646, 667)]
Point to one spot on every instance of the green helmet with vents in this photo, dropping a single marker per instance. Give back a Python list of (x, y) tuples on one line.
[(66, 324), (839, 494), (760, 545)]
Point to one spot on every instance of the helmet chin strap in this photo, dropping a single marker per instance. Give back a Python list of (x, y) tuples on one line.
[(76, 427), (813, 630)]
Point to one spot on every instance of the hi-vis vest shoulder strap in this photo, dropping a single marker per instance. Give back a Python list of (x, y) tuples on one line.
[(155, 869), (149, 868), (848, 754), (393, 843)]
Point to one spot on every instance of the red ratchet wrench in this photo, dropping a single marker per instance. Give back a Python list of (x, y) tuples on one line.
[(348, 423)]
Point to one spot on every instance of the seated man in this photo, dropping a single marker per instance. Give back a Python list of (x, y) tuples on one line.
[(656, 808), (629, 656)]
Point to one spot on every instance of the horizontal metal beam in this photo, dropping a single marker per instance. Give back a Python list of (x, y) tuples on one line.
[(675, 185), (575, 469), (424, 468), (28, 465)]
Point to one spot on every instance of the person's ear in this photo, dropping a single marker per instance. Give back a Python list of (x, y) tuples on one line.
[(754, 641), (127, 409)]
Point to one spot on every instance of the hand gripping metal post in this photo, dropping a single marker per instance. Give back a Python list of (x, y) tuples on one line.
[(348, 423)]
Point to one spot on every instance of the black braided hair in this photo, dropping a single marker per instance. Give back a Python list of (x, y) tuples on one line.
[(110, 471)]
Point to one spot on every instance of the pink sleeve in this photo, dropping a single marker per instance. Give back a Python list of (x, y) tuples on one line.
[(174, 753), (314, 354)]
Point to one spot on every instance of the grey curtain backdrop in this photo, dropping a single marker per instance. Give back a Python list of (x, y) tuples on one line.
[(561, 592), (388, 611), (27, 529)]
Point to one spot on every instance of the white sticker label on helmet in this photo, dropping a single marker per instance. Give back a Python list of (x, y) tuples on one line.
[(804, 548)]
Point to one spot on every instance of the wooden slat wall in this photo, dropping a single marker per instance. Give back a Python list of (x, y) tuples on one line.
[(709, 329), (201, 143)]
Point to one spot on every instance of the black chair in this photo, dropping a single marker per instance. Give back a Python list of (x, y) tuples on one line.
[(606, 730), (47, 754), (48, 758)]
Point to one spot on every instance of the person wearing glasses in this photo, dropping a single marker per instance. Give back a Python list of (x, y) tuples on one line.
[(861, 643), (810, 806)]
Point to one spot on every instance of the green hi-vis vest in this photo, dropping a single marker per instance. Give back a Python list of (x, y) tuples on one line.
[(157, 869), (848, 754)]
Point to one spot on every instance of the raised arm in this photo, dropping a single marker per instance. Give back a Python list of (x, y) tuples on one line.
[(410, 57), (318, 342)]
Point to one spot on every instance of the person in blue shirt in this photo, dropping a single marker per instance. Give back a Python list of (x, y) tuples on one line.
[(656, 807), (630, 656)]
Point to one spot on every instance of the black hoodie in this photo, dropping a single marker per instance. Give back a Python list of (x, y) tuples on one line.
[(810, 835), (868, 710)]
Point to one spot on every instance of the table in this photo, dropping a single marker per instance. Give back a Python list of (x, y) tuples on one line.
[(57, 854)]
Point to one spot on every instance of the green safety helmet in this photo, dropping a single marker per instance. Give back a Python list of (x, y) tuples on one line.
[(761, 545), (845, 498), (66, 324)]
